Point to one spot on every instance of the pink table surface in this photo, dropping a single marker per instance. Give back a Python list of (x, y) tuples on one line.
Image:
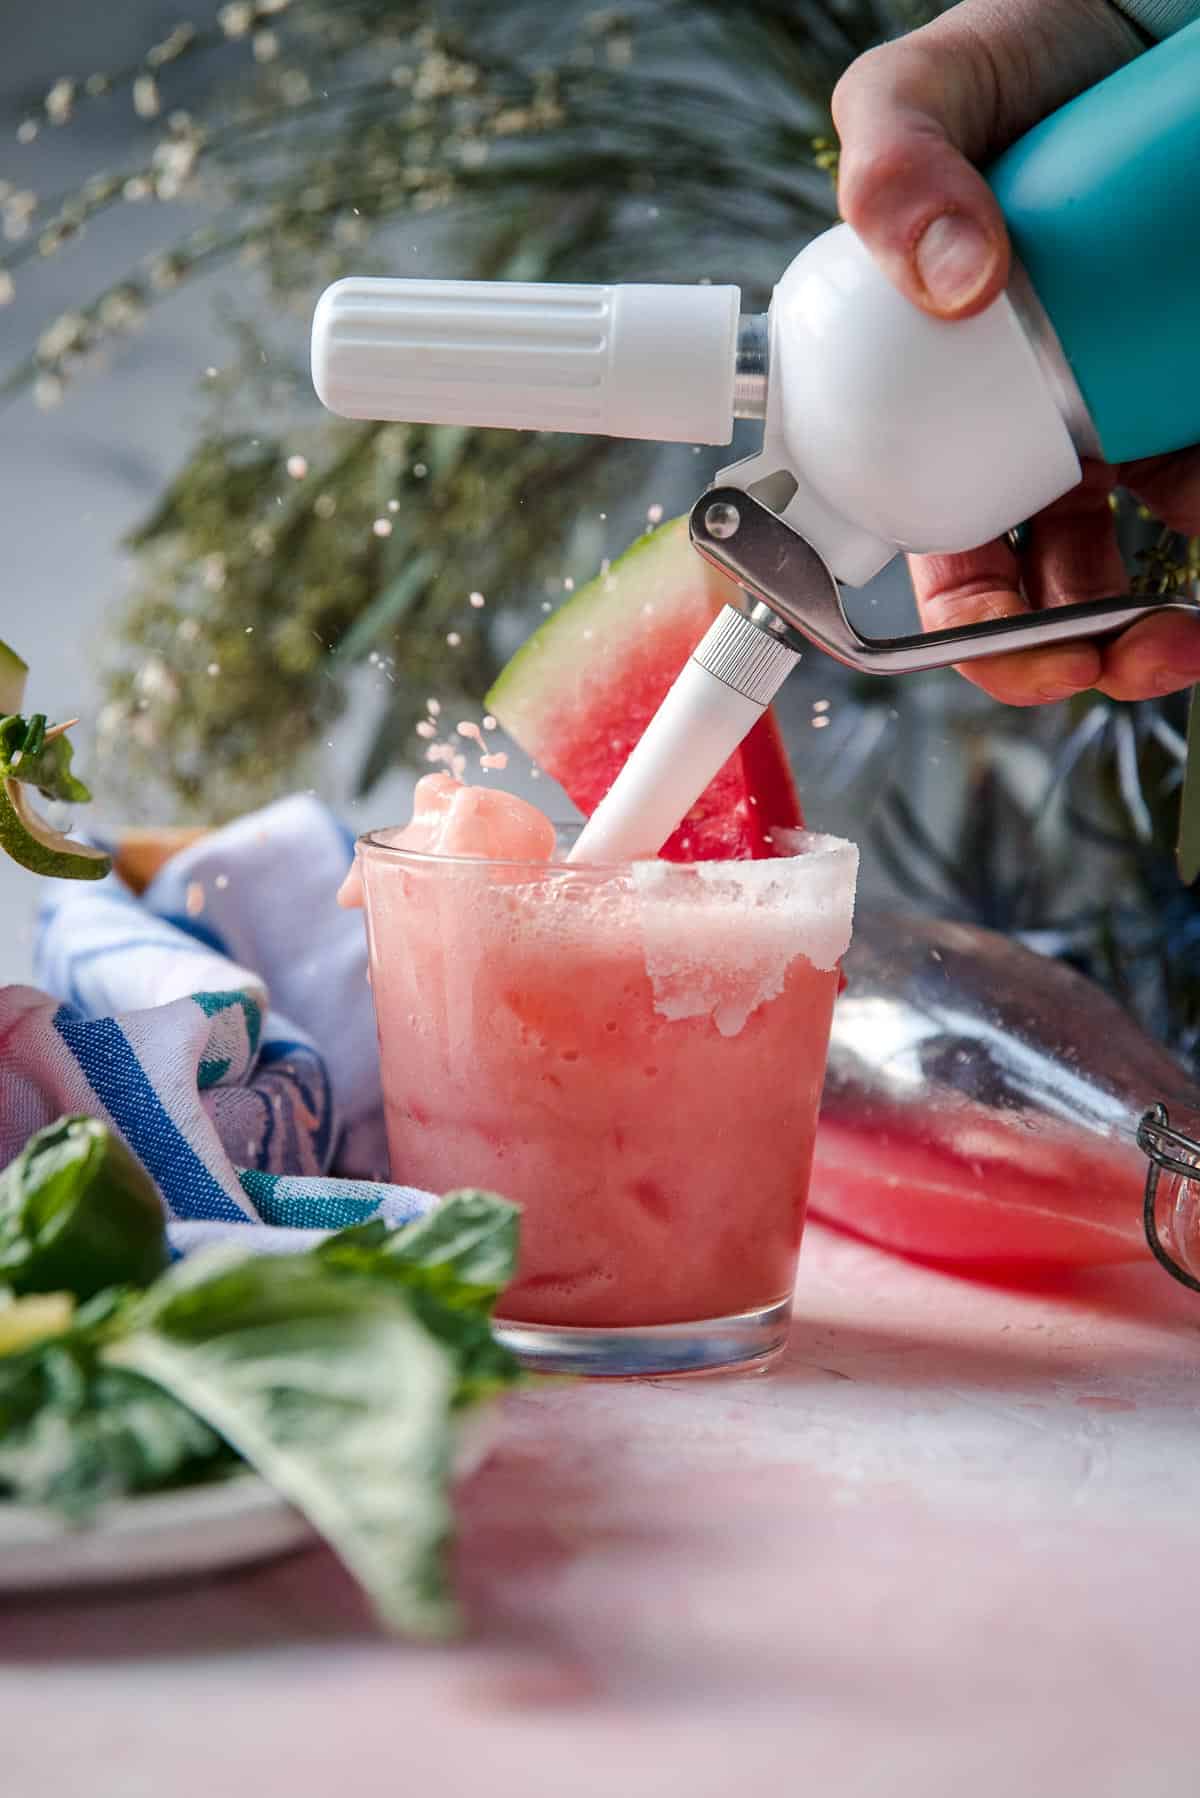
[(949, 1545)]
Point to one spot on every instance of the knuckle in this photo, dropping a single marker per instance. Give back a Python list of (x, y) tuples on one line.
[(869, 172), (953, 607), (864, 73)]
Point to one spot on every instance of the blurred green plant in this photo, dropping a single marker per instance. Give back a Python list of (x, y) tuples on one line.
[(662, 140)]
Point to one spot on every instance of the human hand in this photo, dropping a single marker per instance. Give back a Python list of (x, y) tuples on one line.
[(914, 118)]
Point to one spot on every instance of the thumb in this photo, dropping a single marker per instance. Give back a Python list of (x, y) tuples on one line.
[(915, 115)]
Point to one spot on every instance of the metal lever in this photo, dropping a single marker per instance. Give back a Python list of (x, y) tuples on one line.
[(1168, 1151), (775, 565)]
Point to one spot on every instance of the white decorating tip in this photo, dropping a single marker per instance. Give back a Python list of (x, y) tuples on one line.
[(723, 690)]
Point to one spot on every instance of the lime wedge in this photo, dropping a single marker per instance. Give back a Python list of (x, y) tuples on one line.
[(26, 1321), (36, 845), (12, 681)]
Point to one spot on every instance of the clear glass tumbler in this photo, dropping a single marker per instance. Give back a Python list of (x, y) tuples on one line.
[(633, 1054)]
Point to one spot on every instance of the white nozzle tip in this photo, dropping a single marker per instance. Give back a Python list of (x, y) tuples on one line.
[(694, 732), (655, 362)]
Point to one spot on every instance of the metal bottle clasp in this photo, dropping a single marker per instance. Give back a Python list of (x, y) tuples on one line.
[(783, 573), (1168, 1151)]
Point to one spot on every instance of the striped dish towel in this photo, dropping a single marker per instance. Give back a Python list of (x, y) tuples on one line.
[(223, 1024)]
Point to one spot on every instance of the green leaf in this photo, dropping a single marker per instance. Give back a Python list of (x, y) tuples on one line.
[(385, 611), (446, 447), (335, 1392), (114, 1435), (339, 1374), (50, 772), (74, 1434), (35, 736), (45, 763), (465, 1251), (78, 1213), (452, 1264), (1188, 849)]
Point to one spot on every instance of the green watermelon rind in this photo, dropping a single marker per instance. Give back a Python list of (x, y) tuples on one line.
[(558, 649), (574, 697)]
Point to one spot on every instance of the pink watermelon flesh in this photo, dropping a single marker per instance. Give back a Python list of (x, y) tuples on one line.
[(581, 692)]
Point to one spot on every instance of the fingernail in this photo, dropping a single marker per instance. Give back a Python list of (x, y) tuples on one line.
[(954, 259)]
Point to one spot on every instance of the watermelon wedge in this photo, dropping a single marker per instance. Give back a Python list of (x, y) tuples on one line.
[(580, 693)]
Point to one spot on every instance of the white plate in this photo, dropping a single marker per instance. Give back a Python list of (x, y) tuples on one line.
[(233, 1522), (165, 1535)]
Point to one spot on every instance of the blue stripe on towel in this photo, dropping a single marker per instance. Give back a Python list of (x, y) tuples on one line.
[(119, 1081)]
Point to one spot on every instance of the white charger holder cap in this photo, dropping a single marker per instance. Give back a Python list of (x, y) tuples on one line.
[(652, 361)]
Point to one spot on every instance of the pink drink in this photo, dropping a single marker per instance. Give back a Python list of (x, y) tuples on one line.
[(633, 1054)]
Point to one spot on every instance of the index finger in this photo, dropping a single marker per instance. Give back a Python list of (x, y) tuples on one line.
[(980, 585)]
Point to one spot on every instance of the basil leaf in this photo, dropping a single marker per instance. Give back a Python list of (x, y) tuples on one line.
[(74, 1433), (464, 1252), (334, 1391), (339, 1374), (452, 1264), (78, 1213), (113, 1435)]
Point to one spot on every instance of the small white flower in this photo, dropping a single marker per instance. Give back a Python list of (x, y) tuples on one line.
[(146, 102), (236, 19), (60, 100)]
